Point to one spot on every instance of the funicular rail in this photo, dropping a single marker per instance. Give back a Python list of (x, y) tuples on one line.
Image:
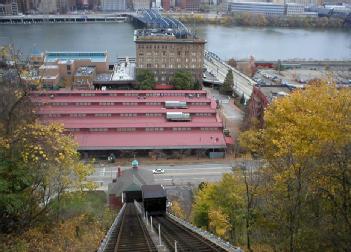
[(132, 234), (187, 240)]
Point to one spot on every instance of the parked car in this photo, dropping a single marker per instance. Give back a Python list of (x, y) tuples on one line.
[(158, 171)]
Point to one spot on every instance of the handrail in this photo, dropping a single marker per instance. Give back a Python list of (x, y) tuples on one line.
[(209, 236), (107, 238)]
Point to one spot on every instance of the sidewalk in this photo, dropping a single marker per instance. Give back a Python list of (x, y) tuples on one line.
[(184, 161)]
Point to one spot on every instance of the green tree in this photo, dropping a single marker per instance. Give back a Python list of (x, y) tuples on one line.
[(227, 86), (182, 80), (197, 85), (146, 79)]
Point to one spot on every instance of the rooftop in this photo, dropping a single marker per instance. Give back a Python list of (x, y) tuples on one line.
[(85, 71), (67, 56), (124, 121), (124, 70), (272, 92), (73, 123), (165, 35), (149, 140)]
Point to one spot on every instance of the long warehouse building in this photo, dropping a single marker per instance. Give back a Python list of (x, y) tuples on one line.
[(135, 119)]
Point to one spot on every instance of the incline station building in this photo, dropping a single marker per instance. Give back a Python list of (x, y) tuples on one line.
[(128, 120)]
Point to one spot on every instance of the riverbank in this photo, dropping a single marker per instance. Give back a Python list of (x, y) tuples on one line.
[(253, 20)]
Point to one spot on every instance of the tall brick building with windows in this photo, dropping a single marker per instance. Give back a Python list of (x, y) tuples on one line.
[(165, 51)]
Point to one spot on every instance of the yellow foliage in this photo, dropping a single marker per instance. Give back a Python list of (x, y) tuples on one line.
[(80, 233), (177, 209), (219, 222)]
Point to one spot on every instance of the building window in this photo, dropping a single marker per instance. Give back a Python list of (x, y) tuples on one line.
[(102, 115), (98, 129), (107, 103), (77, 115), (125, 129), (83, 103)]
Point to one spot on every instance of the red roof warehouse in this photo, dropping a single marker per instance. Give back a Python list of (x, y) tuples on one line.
[(134, 119)]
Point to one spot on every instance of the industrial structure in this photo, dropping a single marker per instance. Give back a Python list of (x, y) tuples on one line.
[(166, 51), (130, 120)]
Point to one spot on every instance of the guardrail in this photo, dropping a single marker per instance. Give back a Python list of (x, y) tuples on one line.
[(211, 237), (107, 238)]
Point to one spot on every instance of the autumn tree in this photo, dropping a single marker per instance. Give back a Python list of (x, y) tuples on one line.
[(232, 62), (222, 204), (177, 209), (306, 194), (37, 162), (228, 83)]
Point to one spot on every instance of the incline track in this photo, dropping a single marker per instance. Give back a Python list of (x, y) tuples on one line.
[(132, 234), (186, 239)]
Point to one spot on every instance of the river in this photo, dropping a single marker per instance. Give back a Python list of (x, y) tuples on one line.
[(237, 42)]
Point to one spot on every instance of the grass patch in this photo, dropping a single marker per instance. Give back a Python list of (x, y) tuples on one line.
[(92, 203)]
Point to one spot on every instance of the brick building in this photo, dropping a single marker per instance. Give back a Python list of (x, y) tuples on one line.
[(260, 98), (165, 51)]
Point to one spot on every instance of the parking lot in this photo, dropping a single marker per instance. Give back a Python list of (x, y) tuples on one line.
[(300, 76)]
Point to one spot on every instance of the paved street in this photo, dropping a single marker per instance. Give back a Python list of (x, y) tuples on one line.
[(177, 174), (232, 115)]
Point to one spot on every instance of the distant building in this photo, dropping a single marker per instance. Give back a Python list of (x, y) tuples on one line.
[(47, 7), (302, 2), (293, 9), (192, 5), (267, 9), (166, 5), (114, 5), (84, 78), (260, 98), (71, 66), (9, 8), (141, 4), (49, 75), (36, 58), (166, 52)]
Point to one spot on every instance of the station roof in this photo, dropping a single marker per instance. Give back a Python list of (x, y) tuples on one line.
[(136, 123), (135, 139), (97, 92), (118, 110), (153, 191), (149, 140), (119, 99)]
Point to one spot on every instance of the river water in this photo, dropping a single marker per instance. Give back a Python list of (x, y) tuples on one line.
[(227, 42)]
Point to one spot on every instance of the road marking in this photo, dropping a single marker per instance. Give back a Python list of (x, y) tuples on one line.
[(192, 173)]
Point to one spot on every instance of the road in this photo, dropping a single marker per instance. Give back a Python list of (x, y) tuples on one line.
[(175, 174), (232, 116)]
